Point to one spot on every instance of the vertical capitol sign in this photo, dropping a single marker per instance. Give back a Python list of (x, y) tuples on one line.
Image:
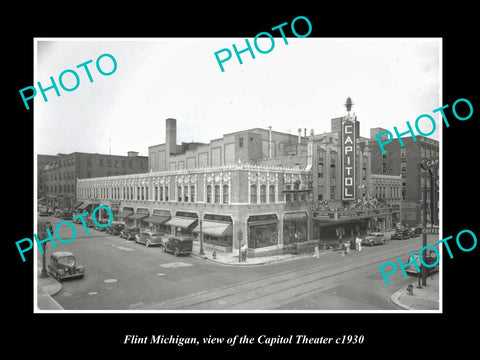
[(349, 145)]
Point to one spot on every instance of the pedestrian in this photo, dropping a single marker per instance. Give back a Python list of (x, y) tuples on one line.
[(358, 243), (347, 247), (243, 251), (317, 252)]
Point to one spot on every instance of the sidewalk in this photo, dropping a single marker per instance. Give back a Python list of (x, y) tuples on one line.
[(46, 288), (231, 259), (426, 298)]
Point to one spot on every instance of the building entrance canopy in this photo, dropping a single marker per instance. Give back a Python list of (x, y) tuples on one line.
[(181, 222)]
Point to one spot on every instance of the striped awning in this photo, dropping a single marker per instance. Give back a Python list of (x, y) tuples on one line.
[(213, 228), (155, 219), (184, 223)]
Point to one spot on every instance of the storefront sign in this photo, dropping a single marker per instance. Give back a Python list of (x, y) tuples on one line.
[(348, 159)]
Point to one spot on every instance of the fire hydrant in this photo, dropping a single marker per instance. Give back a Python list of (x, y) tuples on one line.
[(410, 289)]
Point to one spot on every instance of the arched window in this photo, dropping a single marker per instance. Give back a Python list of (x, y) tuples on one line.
[(209, 193), (217, 194), (192, 193), (179, 189), (332, 171), (263, 194), (225, 194), (185, 193), (287, 196), (271, 194), (253, 194)]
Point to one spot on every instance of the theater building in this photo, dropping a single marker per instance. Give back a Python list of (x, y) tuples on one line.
[(272, 189)]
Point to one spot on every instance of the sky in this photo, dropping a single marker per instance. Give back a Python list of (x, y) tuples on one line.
[(300, 85)]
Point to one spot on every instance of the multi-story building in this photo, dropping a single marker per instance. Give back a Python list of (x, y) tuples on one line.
[(60, 174), (406, 162), (42, 178), (268, 188)]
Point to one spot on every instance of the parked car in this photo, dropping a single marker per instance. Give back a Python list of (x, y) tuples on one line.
[(374, 238), (63, 266), (149, 238), (129, 232), (115, 228), (66, 215), (101, 222), (415, 231), (400, 235), (178, 245), (431, 258)]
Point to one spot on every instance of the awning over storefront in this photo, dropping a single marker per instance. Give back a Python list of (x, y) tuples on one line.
[(138, 216), (155, 219), (213, 228), (181, 222), (124, 214), (77, 204), (84, 206)]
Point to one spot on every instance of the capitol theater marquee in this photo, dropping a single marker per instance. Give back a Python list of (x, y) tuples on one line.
[(349, 146)]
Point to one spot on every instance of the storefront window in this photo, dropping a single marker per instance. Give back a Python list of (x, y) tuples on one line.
[(262, 231), (295, 228)]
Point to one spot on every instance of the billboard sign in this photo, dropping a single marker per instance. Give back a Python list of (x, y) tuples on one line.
[(349, 145)]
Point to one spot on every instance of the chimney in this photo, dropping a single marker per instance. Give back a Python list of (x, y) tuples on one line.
[(171, 136), (132, 153), (299, 135)]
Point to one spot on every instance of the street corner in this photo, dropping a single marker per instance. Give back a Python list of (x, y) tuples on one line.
[(46, 289), (412, 297)]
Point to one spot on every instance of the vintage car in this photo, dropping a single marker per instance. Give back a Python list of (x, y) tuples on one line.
[(400, 234), (374, 238), (42, 211), (66, 215), (149, 238), (129, 233), (63, 266), (415, 231), (101, 222), (431, 258), (178, 245), (115, 228)]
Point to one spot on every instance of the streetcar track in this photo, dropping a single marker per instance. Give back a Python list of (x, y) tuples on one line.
[(378, 256)]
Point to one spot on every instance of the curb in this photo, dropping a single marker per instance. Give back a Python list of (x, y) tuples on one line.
[(395, 298), (266, 262)]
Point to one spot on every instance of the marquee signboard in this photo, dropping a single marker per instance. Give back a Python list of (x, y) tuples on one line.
[(349, 146)]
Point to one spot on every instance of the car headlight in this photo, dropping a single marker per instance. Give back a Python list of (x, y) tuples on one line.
[(61, 271), (81, 268)]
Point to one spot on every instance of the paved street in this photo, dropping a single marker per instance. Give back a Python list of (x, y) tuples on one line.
[(122, 275)]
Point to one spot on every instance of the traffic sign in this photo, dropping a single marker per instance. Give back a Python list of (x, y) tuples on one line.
[(430, 231)]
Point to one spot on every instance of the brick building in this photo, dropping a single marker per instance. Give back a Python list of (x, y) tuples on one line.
[(269, 188), (60, 174)]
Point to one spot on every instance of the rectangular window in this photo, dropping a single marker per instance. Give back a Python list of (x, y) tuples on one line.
[(253, 194), (240, 142)]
